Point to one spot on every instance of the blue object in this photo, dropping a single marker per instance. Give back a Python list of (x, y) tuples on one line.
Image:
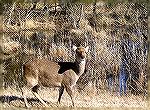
[(123, 78)]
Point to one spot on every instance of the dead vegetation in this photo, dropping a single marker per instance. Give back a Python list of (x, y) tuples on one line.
[(51, 36), (12, 98)]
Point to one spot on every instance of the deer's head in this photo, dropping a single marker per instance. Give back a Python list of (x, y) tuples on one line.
[(80, 52)]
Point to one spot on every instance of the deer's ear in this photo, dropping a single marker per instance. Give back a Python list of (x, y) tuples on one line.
[(87, 48), (74, 48)]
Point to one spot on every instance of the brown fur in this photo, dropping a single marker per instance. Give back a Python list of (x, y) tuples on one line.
[(44, 72)]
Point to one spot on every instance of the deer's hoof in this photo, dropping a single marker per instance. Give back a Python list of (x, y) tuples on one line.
[(71, 106), (27, 106), (46, 105)]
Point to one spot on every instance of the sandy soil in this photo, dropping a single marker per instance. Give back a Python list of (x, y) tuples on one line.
[(13, 98)]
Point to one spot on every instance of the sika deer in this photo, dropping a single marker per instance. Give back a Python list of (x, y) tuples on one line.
[(46, 73)]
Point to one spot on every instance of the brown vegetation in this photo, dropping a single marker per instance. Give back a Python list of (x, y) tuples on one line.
[(103, 29)]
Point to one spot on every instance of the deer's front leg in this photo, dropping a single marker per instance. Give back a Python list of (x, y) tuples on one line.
[(61, 90), (70, 91)]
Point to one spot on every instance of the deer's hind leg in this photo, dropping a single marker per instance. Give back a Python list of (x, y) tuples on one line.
[(25, 91), (32, 84), (24, 94), (27, 88), (35, 93)]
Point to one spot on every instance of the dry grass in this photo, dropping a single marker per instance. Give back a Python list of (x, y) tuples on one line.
[(82, 100)]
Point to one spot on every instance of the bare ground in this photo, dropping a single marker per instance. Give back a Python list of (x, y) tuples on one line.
[(13, 98)]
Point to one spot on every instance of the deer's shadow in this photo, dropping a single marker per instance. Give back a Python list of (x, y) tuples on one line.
[(8, 99)]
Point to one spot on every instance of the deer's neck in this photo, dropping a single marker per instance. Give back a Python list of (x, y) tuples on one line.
[(80, 64)]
